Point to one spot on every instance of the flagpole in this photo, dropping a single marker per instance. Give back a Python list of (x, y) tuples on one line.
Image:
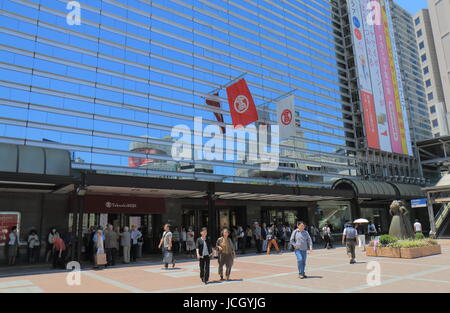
[(279, 97), (229, 83)]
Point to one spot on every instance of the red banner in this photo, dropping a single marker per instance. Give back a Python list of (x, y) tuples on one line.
[(242, 107), (370, 120), (219, 116)]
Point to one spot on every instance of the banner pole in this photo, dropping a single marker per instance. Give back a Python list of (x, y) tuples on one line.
[(228, 84)]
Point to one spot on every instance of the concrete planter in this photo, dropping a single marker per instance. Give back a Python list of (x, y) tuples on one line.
[(404, 253), (383, 252), (412, 253)]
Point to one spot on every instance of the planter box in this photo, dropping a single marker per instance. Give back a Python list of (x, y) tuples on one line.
[(404, 253), (412, 253), (383, 252)]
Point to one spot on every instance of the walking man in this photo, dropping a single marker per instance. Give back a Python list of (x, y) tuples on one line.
[(257, 237), (326, 230), (135, 236), (264, 236), (204, 252), (372, 230), (417, 227), (301, 241), (349, 239), (125, 242), (111, 245)]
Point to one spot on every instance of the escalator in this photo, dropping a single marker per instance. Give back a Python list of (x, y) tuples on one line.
[(443, 222)]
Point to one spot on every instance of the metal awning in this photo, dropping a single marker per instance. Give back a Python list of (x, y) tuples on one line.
[(181, 188), (378, 190)]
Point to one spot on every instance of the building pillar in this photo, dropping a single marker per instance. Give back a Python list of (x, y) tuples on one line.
[(430, 201), (212, 214), (355, 209)]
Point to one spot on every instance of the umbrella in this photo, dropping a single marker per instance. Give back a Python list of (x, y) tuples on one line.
[(361, 220)]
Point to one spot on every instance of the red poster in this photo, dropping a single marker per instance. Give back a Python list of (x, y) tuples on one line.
[(370, 120), (7, 220), (242, 107)]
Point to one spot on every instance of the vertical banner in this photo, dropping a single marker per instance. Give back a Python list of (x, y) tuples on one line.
[(286, 117), (366, 7), (400, 83), (388, 87), (242, 107), (370, 119), (364, 77), (395, 78)]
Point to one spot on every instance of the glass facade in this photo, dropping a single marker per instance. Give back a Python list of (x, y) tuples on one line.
[(111, 89)]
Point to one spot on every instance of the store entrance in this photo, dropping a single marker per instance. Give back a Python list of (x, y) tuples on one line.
[(196, 218), (147, 223), (289, 216)]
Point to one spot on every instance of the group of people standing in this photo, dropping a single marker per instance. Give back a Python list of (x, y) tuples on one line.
[(58, 247), (113, 242)]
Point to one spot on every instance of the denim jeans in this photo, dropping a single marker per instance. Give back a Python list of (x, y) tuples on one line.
[(301, 261)]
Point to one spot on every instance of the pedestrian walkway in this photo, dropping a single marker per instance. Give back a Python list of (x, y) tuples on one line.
[(327, 270)]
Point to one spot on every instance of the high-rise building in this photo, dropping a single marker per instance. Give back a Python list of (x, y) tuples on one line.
[(439, 15), (411, 73), (431, 73)]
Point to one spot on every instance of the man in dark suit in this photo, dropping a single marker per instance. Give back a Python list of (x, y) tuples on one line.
[(204, 253)]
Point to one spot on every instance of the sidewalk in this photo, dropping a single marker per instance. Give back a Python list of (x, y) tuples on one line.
[(152, 259)]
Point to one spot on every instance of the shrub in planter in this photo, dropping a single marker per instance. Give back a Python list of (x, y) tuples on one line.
[(420, 236), (385, 240)]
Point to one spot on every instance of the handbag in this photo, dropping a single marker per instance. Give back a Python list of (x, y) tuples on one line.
[(100, 259), (168, 257)]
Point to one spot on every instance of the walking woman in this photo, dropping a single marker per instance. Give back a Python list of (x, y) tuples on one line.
[(226, 253), (99, 248), (13, 245), (204, 252), (301, 241)]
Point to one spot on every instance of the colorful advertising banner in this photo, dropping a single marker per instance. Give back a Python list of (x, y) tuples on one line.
[(400, 83), (363, 70), (395, 79), (375, 74), (379, 81)]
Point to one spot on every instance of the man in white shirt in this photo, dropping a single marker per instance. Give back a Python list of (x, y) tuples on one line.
[(417, 227)]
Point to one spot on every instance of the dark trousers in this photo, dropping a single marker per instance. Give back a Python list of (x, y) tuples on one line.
[(227, 260), (58, 262), (204, 268), (249, 242), (134, 252), (328, 242), (111, 254), (241, 245), (258, 245)]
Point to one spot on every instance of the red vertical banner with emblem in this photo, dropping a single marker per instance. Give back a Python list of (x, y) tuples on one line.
[(370, 119), (242, 107)]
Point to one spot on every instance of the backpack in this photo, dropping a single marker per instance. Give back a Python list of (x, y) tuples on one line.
[(351, 233)]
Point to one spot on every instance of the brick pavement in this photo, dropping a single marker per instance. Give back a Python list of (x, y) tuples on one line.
[(328, 271)]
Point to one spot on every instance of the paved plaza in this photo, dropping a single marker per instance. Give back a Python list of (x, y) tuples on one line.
[(327, 270)]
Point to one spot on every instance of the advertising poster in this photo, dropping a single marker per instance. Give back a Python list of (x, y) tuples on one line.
[(8, 220)]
